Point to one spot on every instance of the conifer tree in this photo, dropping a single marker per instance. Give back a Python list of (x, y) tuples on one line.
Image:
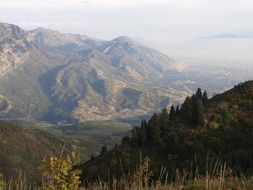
[(199, 94), (125, 140), (199, 113), (205, 97), (143, 132), (103, 150), (177, 110), (154, 131), (172, 112), (164, 124), (187, 109)]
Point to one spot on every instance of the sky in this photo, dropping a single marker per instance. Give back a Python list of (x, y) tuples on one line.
[(159, 21)]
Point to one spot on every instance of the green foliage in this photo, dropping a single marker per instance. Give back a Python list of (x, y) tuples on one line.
[(199, 113), (154, 131), (192, 110), (220, 127), (22, 149), (103, 150), (205, 96), (187, 110), (199, 94), (172, 112), (61, 174)]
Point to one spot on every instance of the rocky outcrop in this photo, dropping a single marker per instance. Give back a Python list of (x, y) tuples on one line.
[(14, 47)]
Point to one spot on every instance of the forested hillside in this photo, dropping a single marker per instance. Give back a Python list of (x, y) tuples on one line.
[(199, 134), (22, 149)]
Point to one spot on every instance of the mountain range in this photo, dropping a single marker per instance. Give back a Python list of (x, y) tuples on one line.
[(56, 77)]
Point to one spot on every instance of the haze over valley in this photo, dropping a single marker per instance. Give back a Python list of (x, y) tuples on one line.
[(131, 95), (56, 77)]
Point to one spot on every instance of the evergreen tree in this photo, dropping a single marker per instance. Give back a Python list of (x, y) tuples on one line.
[(199, 113), (136, 136), (199, 94), (125, 140), (103, 150), (143, 132), (164, 118), (92, 157), (187, 109), (164, 124), (194, 117), (177, 110), (172, 112), (205, 97), (154, 131)]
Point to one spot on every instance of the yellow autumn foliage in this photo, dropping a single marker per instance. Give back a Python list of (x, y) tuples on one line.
[(60, 174)]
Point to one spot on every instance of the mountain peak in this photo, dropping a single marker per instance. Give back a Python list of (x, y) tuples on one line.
[(7, 25), (14, 47), (11, 30), (124, 39), (56, 39), (44, 31)]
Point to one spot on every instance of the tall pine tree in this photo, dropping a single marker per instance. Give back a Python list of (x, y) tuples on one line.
[(154, 131)]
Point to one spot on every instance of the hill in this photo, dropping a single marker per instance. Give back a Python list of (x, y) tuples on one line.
[(56, 77), (188, 140), (22, 149)]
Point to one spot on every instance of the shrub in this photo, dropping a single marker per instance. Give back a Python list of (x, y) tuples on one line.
[(60, 174), (142, 175)]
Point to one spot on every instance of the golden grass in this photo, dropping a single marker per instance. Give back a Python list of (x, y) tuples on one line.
[(217, 177)]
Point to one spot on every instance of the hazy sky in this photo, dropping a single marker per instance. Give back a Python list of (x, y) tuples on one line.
[(159, 21)]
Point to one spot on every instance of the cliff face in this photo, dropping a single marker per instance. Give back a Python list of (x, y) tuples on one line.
[(14, 47)]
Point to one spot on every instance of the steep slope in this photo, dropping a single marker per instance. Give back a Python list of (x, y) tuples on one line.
[(199, 136), (69, 78), (61, 41), (93, 92), (21, 88), (137, 62), (14, 47)]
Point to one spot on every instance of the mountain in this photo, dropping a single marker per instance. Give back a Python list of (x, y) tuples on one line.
[(68, 77), (62, 41), (199, 136), (14, 47)]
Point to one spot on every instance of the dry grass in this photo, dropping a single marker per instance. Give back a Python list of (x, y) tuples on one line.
[(232, 183), (217, 177)]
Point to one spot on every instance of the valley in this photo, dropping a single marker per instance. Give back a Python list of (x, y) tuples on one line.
[(63, 93), (71, 78), (126, 95)]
